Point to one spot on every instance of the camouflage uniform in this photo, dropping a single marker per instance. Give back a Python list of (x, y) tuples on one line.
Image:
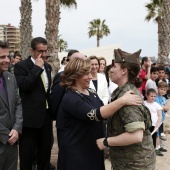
[(139, 156)]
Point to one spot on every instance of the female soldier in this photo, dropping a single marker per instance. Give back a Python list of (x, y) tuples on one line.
[(81, 114), (129, 139)]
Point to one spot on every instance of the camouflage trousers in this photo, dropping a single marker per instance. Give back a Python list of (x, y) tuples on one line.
[(148, 163)]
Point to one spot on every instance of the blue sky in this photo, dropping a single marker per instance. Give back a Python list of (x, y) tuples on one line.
[(125, 19)]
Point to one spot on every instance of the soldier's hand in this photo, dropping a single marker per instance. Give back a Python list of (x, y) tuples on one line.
[(39, 61), (100, 144)]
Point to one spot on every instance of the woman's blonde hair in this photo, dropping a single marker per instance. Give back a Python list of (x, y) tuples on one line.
[(76, 68)]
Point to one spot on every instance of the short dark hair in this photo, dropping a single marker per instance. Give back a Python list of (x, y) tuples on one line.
[(151, 90), (160, 68), (144, 59), (72, 52), (17, 54), (153, 69), (38, 40), (64, 58), (4, 44)]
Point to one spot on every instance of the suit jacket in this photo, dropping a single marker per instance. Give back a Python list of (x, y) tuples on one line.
[(10, 110), (32, 92), (56, 95), (102, 89)]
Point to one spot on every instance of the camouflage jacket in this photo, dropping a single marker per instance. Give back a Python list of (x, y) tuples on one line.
[(130, 119)]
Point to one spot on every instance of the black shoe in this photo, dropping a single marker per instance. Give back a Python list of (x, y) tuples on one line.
[(51, 167), (162, 149), (158, 153)]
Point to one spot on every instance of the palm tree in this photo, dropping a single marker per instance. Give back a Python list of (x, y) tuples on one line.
[(25, 27), (165, 39), (155, 12), (99, 29), (51, 30), (62, 45)]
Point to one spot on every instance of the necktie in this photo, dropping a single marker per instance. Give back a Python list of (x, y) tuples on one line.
[(43, 80), (2, 87), (44, 83)]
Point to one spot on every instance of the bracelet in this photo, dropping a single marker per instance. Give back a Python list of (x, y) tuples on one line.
[(105, 142)]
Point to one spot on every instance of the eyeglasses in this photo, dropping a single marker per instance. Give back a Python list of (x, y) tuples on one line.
[(42, 51)]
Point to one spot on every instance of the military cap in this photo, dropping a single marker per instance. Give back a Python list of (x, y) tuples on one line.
[(124, 57)]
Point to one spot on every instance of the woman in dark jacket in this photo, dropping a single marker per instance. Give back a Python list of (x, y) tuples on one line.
[(81, 114)]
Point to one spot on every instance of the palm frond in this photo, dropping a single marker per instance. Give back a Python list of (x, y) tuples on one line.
[(68, 3)]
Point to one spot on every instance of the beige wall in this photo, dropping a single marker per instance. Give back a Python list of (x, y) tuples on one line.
[(104, 51)]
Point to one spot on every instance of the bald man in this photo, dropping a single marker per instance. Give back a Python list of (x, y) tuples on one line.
[(57, 91)]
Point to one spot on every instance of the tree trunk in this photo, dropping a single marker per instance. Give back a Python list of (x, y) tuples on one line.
[(164, 37), (98, 41), (51, 32), (25, 27)]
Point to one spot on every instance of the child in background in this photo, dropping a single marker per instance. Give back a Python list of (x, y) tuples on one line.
[(151, 82), (161, 75), (160, 99), (166, 77), (156, 117), (145, 72)]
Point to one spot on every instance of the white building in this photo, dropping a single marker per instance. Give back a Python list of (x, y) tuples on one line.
[(104, 51), (12, 35)]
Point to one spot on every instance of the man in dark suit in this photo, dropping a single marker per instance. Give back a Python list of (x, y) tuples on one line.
[(10, 113), (33, 76)]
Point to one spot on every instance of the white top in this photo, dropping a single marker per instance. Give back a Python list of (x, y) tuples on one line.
[(151, 84), (112, 87), (102, 89), (61, 69), (153, 108)]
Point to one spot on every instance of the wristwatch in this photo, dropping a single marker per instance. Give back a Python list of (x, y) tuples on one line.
[(105, 142)]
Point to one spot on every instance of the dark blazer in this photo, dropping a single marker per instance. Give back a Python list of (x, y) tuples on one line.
[(56, 95), (10, 110), (32, 92)]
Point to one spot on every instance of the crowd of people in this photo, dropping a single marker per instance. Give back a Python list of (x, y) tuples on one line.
[(120, 106)]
